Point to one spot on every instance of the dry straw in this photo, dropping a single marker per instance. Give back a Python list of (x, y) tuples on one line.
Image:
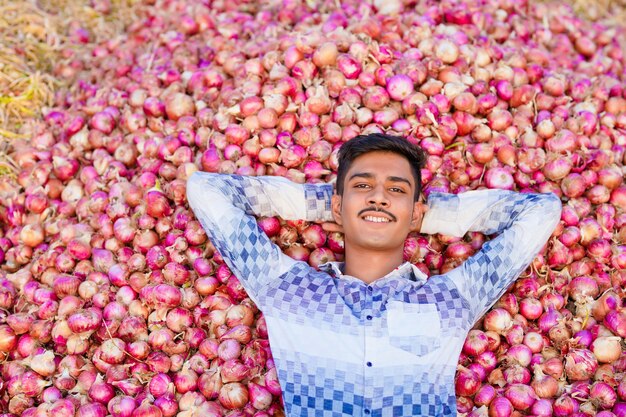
[(33, 37)]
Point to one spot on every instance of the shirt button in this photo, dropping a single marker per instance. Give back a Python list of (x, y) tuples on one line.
[(370, 288), (369, 364), (369, 317), (367, 411)]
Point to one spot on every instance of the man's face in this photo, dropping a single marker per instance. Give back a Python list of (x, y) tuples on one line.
[(377, 209)]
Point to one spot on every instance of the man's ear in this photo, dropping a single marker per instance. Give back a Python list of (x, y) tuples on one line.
[(419, 209), (335, 205)]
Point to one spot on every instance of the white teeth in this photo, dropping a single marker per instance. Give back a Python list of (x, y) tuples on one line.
[(376, 219)]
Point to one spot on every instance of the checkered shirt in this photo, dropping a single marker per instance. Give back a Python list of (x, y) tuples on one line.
[(390, 348)]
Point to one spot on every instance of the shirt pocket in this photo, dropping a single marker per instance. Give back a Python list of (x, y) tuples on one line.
[(415, 328)]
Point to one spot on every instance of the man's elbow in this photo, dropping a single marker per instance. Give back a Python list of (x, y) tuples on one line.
[(552, 206), (194, 189)]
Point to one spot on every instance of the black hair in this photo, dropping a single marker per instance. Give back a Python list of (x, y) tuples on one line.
[(380, 142)]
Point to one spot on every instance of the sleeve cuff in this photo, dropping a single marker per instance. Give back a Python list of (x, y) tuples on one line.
[(442, 215)]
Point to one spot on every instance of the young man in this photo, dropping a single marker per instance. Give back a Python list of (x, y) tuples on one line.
[(370, 336)]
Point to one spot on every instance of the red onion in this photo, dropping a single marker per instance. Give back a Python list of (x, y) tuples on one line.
[(485, 394), (167, 295), (62, 408), (147, 410), (260, 397), (229, 349), (580, 364), (113, 351), (603, 395), (467, 382), (158, 362), (553, 367), (31, 384), (500, 407), (185, 380), (508, 302), (565, 406), (43, 363), (499, 178), (542, 408), (210, 384), (606, 302), (349, 66), (85, 321), (615, 320), (544, 386), (548, 320), (121, 406), (534, 341), (159, 384), (233, 395), (399, 87), (498, 320), (20, 322), (475, 343), (464, 404), (606, 349), (101, 391), (516, 374), (167, 404), (531, 308), (520, 354), (92, 410), (521, 396), (270, 225), (619, 409)]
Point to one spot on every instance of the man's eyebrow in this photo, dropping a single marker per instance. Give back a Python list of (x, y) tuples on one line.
[(366, 175), (399, 179), (369, 175)]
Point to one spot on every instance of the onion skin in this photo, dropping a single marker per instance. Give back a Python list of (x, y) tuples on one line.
[(580, 364)]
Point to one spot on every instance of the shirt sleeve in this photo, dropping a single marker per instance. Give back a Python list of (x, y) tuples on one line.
[(524, 222), (225, 206)]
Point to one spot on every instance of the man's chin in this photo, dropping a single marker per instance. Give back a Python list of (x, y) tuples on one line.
[(376, 245)]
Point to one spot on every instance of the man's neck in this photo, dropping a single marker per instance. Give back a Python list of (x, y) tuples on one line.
[(369, 266)]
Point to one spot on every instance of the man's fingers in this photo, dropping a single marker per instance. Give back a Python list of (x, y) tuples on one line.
[(332, 227)]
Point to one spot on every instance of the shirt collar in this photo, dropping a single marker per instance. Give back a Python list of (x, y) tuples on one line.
[(407, 268)]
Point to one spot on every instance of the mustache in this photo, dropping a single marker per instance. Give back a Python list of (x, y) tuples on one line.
[(377, 210)]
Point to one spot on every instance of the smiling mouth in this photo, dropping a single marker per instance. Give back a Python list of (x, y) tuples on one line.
[(376, 215)]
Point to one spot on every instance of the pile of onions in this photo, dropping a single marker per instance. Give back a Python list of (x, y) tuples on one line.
[(113, 301)]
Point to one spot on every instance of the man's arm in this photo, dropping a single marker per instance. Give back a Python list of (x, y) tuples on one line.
[(225, 206), (524, 223)]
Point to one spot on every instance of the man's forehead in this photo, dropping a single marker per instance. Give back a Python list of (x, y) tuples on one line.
[(386, 164)]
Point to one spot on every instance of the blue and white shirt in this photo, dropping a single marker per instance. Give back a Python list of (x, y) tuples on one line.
[(390, 348)]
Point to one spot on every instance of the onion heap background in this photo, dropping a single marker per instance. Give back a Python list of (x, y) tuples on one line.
[(113, 301)]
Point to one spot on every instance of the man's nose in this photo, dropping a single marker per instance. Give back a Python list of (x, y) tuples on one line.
[(378, 197)]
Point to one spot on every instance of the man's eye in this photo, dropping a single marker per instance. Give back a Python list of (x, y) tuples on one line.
[(396, 190), (361, 186)]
